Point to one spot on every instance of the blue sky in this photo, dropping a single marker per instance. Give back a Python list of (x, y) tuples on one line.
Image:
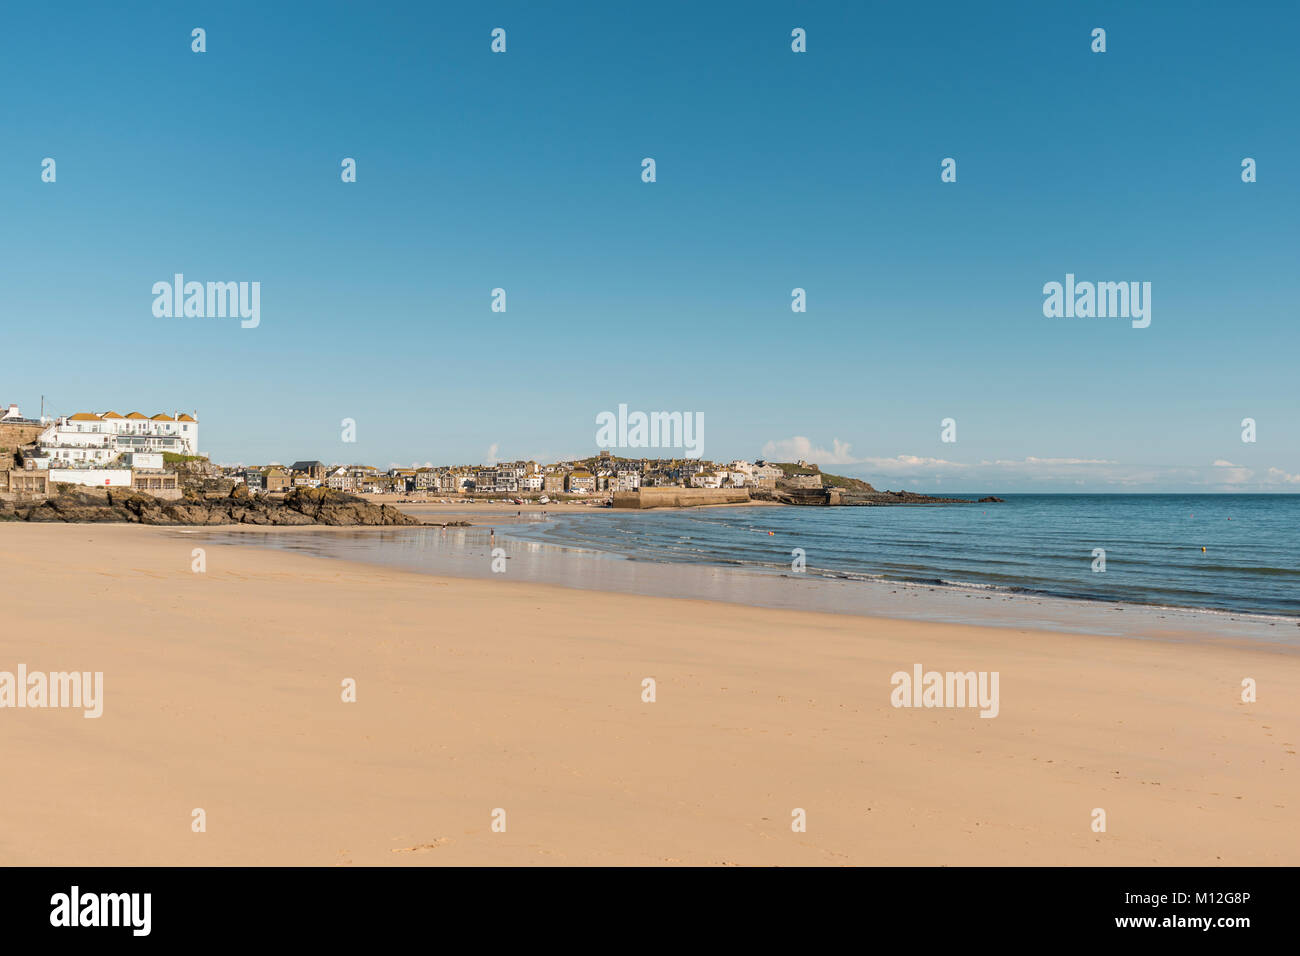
[(775, 170)]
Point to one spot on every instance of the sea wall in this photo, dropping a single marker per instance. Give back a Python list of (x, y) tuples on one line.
[(679, 497), (14, 436)]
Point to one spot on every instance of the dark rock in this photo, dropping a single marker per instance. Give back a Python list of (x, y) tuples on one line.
[(290, 518), (186, 513), (301, 506)]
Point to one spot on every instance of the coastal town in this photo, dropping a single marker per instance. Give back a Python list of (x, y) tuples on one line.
[(599, 476), (153, 453)]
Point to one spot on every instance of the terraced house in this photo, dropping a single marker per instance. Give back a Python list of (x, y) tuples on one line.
[(581, 483), (88, 440)]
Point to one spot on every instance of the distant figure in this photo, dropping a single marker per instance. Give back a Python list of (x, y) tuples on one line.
[(492, 538)]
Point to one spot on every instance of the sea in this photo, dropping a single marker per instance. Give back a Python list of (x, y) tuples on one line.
[(1217, 566), (1220, 552)]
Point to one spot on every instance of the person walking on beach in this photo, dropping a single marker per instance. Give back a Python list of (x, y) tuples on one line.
[(492, 538)]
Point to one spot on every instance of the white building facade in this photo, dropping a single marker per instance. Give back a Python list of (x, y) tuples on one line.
[(87, 439), (93, 478)]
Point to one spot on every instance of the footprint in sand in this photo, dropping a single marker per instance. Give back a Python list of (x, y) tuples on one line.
[(422, 847)]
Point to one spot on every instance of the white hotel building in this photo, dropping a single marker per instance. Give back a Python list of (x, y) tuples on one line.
[(88, 440)]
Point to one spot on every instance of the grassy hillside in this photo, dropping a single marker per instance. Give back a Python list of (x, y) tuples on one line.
[(828, 480)]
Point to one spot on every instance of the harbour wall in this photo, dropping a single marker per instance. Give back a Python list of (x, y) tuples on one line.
[(644, 498)]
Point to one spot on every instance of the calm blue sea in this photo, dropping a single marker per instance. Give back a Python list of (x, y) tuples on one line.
[(1037, 544)]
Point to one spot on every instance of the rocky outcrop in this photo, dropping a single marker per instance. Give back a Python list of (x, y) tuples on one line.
[(199, 478), (990, 499), (840, 497), (325, 506), (915, 498), (301, 506)]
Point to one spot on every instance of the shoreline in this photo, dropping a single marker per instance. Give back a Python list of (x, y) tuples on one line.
[(579, 507), (752, 586), (221, 691), (758, 585)]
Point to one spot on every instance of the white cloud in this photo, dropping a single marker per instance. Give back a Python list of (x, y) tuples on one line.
[(1067, 474), (793, 449), (1068, 461), (909, 464), (1278, 476), (1230, 474)]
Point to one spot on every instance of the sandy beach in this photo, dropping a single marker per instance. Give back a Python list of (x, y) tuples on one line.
[(222, 690), (431, 506), (434, 509)]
